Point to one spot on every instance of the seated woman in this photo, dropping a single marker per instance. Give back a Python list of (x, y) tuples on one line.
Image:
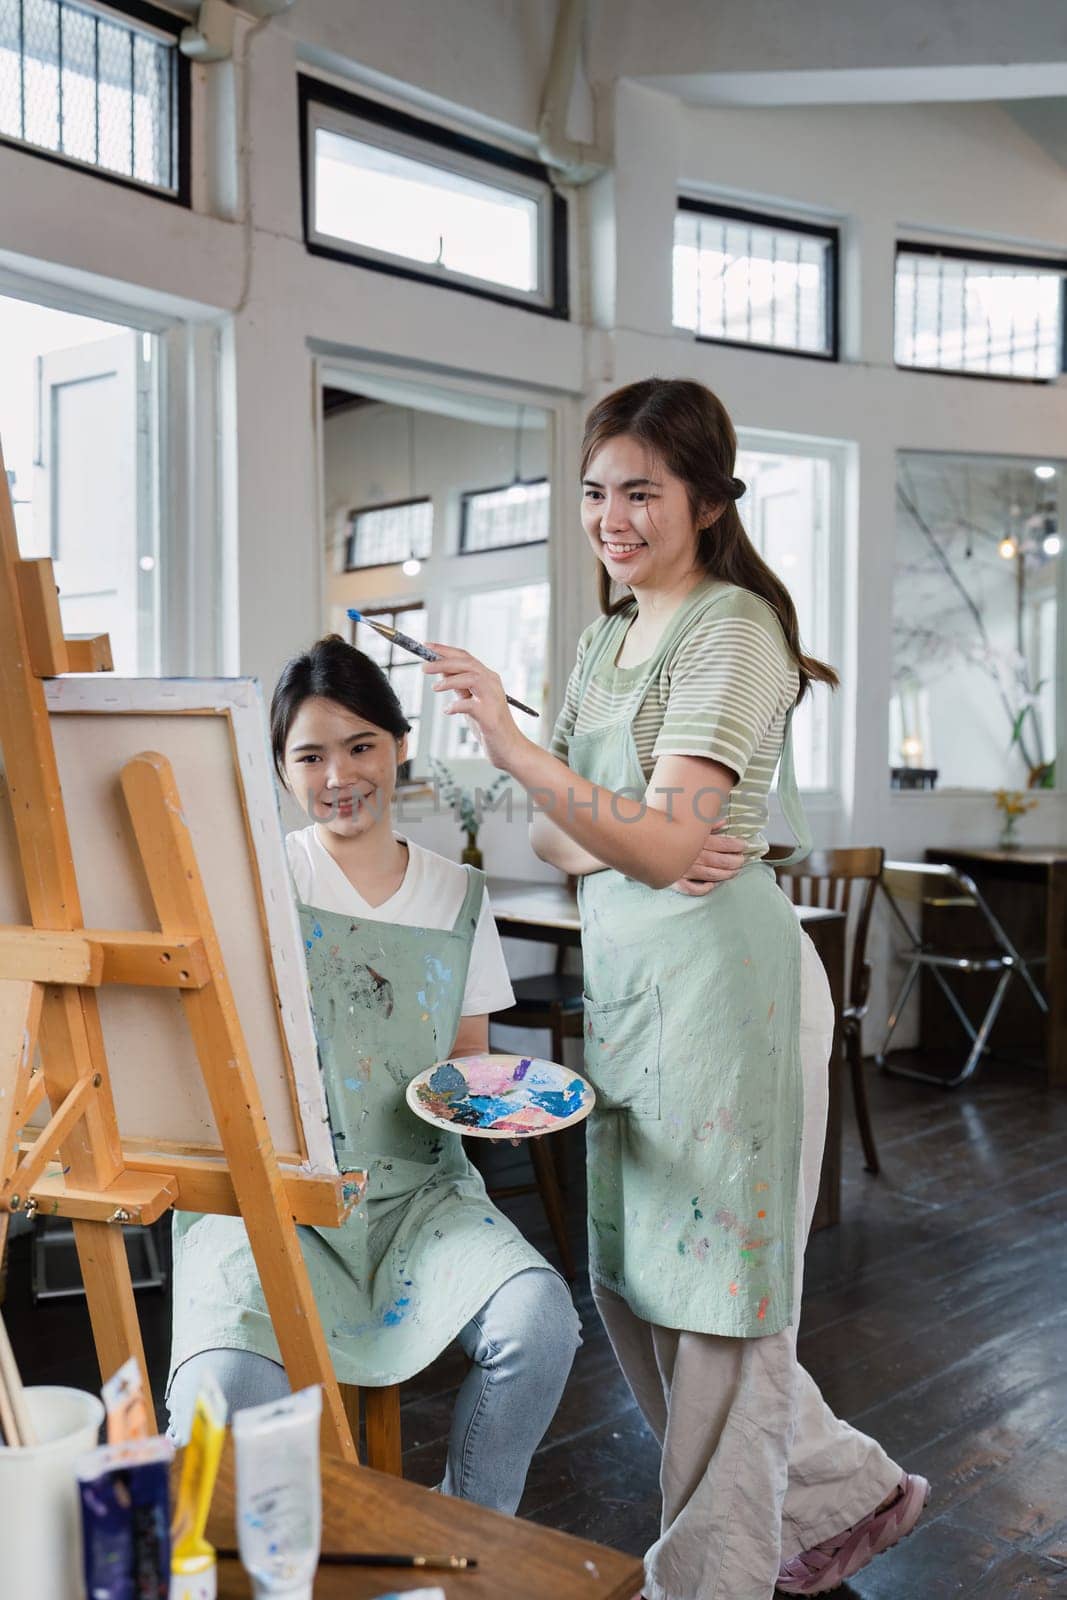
[(405, 965)]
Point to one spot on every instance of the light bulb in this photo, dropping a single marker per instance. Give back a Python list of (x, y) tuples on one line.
[(517, 493), (1007, 548), (412, 567), (1052, 544), (1044, 472)]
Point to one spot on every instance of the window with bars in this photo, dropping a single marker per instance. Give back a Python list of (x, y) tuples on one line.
[(496, 519), (989, 314), (741, 277), (403, 670), (87, 85), (392, 192), (380, 536)]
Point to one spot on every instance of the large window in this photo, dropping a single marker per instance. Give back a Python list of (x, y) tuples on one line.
[(496, 519), (79, 421), (978, 647), (381, 536), (791, 511), (481, 581), (83, 84), (744, 278), (998, 316), (506, 625), (389, 191)]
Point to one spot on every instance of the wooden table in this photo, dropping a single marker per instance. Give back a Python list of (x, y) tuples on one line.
[(999, 873), (363, 1509), (548, 914)]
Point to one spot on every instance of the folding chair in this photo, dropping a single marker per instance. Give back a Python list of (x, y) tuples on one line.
[(937, 885)]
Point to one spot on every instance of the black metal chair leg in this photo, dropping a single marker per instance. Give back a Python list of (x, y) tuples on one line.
[(859, 1096)]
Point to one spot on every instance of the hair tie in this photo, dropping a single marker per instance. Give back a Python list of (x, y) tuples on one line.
[(738, 487)]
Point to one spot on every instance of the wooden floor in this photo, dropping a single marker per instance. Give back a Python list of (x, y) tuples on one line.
[(935, 1318)]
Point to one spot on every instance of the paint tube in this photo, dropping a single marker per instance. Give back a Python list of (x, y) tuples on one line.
[(125, 1500), (124, 1402), (279, 1494), (193, 1571)]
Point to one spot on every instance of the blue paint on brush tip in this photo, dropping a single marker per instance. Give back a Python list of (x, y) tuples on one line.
[(356, 616)]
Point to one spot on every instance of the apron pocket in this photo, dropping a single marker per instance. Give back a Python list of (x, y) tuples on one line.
[(622, 1049)]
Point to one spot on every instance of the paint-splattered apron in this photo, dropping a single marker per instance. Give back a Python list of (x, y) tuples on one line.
[(425, 1249), (692, 1043)]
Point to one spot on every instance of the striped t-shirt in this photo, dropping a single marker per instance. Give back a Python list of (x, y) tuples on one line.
[(722, 690)]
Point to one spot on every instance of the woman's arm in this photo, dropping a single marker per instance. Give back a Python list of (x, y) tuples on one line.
[(653, 837), (472, 1037), (550, 843)]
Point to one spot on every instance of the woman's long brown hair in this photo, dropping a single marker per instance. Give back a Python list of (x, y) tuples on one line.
[(687, 428)]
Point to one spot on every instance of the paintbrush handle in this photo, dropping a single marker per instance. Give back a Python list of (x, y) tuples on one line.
[(361, 1558), (11, 1385), (406, 642)]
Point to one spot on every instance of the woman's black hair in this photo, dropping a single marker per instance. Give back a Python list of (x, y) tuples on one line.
[(333, 670)]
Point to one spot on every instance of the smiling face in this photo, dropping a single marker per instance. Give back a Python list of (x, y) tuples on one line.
[(638, 518), (341, 768)]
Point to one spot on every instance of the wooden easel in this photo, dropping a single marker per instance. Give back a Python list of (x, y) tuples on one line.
[(49, 972)]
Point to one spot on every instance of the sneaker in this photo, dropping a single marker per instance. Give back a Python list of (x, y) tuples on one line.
[(829, 1564)]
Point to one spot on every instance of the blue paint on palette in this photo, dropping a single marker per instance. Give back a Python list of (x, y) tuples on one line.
[(448, 1080)]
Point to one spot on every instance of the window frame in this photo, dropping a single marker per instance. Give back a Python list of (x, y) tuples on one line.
[(840, 456), (157, 20), (384, 505), (467, 495), (341, 111), (827, 231), (1001, 258)]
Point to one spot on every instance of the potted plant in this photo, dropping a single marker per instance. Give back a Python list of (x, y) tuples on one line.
[(466, 805), (1012, 804)]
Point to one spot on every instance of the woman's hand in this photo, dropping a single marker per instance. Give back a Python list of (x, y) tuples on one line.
[(479, 696), (720, 859)]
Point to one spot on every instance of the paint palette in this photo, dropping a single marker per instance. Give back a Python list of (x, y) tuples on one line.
[(500, 1097)]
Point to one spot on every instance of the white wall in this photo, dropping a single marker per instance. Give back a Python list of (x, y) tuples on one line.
[(966, 169)]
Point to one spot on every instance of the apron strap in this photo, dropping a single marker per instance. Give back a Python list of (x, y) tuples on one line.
[(789, 799), (470, 910)]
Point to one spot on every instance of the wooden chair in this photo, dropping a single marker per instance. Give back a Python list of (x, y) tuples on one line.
[(825, 878), (381, 1419)]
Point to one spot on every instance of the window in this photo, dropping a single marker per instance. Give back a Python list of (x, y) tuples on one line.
[(790, 511), (497, 519), (508, 626), (389, 191), (383, 535), (978, 645), (79, 418), (403, 670), (84, 85), (971, 311), (744, 278)]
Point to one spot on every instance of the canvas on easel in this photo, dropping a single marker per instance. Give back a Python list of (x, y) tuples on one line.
[(153, 1007)]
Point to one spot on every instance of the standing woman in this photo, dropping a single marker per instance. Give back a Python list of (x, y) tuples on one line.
[(708, 1015)]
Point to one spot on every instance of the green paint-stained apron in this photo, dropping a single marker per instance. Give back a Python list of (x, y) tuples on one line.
[(692, 1043), (425, 1249)]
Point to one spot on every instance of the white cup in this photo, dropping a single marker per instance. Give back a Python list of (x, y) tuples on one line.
[(40, 1517)]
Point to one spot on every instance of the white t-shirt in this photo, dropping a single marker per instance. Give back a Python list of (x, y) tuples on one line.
[(430, 896)]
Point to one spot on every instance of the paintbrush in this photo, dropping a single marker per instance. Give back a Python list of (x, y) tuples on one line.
[(352, 1558), (14, 1415), (406, 642)]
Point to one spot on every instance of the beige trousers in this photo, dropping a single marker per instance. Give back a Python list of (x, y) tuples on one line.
[(755, 1466)]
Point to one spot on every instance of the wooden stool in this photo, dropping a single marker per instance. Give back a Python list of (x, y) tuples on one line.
[(381, 1418)]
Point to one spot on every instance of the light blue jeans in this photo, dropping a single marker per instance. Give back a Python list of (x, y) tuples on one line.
[(521, 1344)]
